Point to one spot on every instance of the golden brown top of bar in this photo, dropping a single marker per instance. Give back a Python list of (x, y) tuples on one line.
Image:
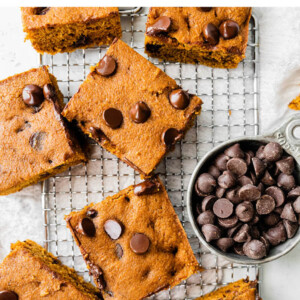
[(32, 273), (127, 275), (135, 79), (33, 140), (187, 24), (36, 17)]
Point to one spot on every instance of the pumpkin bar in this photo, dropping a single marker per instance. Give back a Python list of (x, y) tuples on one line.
[(64, 29), (213, 36), (295, 104), (133, 242), (35, 141), (243, 289), (132, 108), (29, 272)]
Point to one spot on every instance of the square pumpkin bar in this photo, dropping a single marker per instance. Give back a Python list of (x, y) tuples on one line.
[(35, 141), (65, 29), (132, 108), (133, 242), (29, 272), (213, 36)]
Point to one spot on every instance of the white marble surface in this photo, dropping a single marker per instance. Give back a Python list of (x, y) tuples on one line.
[(280, 82)]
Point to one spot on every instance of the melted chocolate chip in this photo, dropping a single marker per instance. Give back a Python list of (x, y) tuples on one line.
[(92, 213), (113, 118), (37, 140), (49, 92), (8, 295), (179, 99), (211, 34), (39, 11), (140, 112), (119, 251), (205, 9), (139, 243), (86, 227), (171, 136), (97, 134), (33, 95), (147, 187), (162, 25), (229, 29), (113, 229), (97, 273), (107, 66)]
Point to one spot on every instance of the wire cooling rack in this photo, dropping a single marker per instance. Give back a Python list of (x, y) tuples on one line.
[(230, 109)]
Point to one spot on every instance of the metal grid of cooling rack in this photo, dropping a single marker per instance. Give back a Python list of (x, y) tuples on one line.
[(230, 109)]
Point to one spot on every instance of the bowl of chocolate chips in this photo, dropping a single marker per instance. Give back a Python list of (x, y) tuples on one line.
[(244, 196)]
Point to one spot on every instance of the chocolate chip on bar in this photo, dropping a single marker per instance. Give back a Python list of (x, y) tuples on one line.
[(248, 200)]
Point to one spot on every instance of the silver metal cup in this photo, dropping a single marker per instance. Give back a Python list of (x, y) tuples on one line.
[(286, 135)]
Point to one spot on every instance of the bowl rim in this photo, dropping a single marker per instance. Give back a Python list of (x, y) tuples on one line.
[(235, 258)]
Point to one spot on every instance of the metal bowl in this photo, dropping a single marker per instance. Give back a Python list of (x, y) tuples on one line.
[(286, 136)]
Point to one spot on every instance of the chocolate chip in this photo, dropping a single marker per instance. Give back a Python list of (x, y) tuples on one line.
[(290, 227), (33, 95), (271, 220), (243, 235), (248, 157), (233, 195), (205, 184), (223, 208), (113, 229), (161, 25), (296, 205), (229, 29), (267, 179), (255, 249), (147, 187), (277, 194), (265, 241), (288, 213), (39, 11), (211, 232), (221, 161), (232, 231), (286, 165), (92, 213), (259, 166), (179, 99), (220, 192), (226, 180), (244, 180), (208, 203), (37, 140), (245, 211), (81, 41), (107, 66), (153, 48), (287, 182), (260, 153), (171, 136), (113, 118), (119, 251), (206, 9), (8, 295), (237, 166), (272, 152), (49, 92), (214, 171), (139, 243), (253, 177), (278, 210), (261, 187), (294, 193), (206, 217), (276, 235), (224, 243), (198, 208), (238, 249), (211, 34), (255, 220), (86, 227), (249, 192), (97, 134), (234, 151), (265, 205), (254, 232), (97, 273), (228, 222), (140, 112)]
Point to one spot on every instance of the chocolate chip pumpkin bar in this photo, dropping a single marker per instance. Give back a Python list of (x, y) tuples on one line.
[(64, 29), (35, 142), (243, 289), (132, 108), (29, 272), (213, 36), (133, 242)]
